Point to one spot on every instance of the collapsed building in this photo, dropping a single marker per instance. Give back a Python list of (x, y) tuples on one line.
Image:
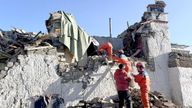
[(62, 63)]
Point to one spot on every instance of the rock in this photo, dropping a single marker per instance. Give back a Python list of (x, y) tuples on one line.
[(157, 100), (9, 64), (169, 104), (3, 74), (6, 69)]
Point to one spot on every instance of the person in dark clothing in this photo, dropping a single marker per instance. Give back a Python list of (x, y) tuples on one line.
[(122, 84), (137, 46), (42, 102)]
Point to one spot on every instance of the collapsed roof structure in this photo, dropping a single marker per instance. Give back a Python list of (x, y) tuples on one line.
[(64, 26)]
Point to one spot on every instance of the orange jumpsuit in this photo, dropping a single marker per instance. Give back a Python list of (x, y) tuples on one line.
[(124, 61), (107, 47), (144, 82)]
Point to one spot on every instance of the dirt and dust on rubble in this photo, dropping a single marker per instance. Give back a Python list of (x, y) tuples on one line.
[(13, 42), (157, 100)]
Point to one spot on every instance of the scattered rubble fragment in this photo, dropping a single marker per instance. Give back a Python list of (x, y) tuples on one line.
[(95, 103), (157, 100), (13, 42)]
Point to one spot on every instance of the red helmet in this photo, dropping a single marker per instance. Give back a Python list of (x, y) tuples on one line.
[(101, 50), (139, 64)]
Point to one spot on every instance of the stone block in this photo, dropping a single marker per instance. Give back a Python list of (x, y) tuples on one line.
[(39, 51), (51, 51), (10, 64), (2, 66), (3, 74), (6, 68)]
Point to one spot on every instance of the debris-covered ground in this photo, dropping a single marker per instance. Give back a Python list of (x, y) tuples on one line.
[(157, 100), (14, 41)]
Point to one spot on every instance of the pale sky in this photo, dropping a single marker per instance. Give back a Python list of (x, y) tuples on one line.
[(93, 15)]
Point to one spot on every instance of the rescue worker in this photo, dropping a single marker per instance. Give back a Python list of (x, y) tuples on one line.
[(122, 59), (143, 81), (108, 47), (122, 84)]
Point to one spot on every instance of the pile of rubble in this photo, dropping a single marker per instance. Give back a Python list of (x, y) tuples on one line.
[(14, 41), (95, 103), (156, 100)]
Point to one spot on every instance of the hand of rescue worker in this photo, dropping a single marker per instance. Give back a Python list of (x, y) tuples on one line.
[(131, 88), (128, 79), (98, 53), (114, 55), (132, 74)]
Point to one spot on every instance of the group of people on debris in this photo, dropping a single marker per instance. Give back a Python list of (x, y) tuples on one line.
[(122, 78)]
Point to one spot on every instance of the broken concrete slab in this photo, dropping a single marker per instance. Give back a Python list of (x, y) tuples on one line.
[(157, 100), (3, 73)]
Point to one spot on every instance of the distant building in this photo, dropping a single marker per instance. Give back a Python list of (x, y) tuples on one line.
[(157, 7)]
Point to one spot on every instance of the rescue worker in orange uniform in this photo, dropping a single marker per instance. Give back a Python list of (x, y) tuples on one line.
[(144, 82), (122, 59), (108, 47)]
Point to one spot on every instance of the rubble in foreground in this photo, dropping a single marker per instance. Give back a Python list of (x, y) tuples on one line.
[(157, 100)]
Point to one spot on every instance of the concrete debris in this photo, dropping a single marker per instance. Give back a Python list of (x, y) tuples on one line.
[(95, 103), (17, 41), (13, 42), (3, 74), (157, 100), (80, 74)]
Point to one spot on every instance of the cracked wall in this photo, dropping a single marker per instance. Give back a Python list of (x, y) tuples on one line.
[(158, 47), (28, 76), (181, 80), (180, 66), (36, 73)]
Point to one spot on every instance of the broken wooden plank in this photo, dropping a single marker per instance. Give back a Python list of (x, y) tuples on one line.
[(28, 48), (4, 55)]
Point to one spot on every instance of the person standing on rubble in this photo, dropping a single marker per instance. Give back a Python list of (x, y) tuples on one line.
[(143, 81), (108, 48), (137, 46), (122, 85)]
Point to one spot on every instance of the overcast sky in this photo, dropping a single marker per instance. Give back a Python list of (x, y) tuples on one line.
[(93, 15)]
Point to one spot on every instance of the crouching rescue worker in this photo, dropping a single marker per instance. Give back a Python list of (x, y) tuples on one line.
[(122, 85), (144, 82), (108, 48)]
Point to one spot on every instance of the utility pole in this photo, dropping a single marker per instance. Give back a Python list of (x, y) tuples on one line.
[(110, 35), (127, 24)]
